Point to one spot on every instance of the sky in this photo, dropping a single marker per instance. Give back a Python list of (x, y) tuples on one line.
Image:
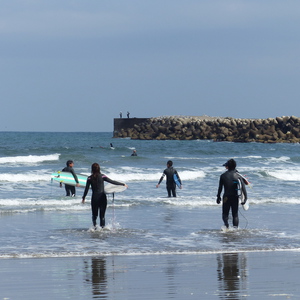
[(75, 65)]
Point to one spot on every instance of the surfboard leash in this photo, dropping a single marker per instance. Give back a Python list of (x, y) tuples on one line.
[(240, 211), (113, 218), (51, 186)]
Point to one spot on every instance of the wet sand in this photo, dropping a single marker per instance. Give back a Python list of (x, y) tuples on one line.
[(254, 275)]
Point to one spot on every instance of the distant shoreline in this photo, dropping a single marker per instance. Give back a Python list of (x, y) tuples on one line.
[(284, 129)]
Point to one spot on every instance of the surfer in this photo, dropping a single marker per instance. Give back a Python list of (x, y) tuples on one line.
[(230, 180), (134, 153), (70, 190), (170, 183), (99, 200)]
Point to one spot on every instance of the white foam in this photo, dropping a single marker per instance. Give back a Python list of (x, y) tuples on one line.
[(280, 200), (279, 159), (138, 174), (139, 253), (25, 177), (30, 159), (19, 205), (285, 175)]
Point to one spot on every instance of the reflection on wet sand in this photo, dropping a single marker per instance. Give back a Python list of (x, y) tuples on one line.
[(172, 276), (232, 275), (95, 275)]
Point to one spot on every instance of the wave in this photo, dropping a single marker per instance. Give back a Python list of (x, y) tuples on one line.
[(30, 159), (191, 201), (281, 200), (26, 177), (138, 174), (80, 253), (19, 205), (280, 159), (125, 174), (286, 175)]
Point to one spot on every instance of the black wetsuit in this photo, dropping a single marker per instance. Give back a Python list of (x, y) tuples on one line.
[(99, 200), (170, 184), (230, 180), (70, 190)]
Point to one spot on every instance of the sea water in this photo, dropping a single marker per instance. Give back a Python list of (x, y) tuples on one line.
[(37, 220)]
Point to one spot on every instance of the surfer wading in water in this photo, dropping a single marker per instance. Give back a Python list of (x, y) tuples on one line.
[(99, 199), (170, 184), (230, 180), (70, 190)]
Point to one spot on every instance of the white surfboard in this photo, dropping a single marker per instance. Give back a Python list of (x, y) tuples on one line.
[(246, 181), (112, 188), (242, 197), (246, 205)]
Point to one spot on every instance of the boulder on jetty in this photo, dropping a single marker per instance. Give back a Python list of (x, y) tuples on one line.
[(271, 130)]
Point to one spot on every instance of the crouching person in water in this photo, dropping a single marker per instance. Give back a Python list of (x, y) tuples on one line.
[(230, 180), (99, 200)]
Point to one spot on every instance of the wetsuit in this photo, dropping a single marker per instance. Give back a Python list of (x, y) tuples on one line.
[(170, 184), (70, 190), (230, 180), (99, 200)]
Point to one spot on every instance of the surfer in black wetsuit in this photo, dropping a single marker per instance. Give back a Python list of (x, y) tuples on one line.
[(170, 184), (70, 190), (99, 199), (230, 180), (134, 153)]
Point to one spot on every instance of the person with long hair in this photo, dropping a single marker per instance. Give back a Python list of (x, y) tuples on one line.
[(99, 199)]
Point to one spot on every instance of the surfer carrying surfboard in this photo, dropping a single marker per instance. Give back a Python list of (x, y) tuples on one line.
[(70, 190), (172, 177), (230, 181), (99, 199)]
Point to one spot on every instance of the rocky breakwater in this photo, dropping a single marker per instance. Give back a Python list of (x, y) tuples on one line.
[(271, 130)]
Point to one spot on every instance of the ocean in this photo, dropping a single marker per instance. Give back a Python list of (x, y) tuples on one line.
[(42, 231)]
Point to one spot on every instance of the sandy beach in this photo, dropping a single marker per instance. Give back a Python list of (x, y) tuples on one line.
[(253, 275)]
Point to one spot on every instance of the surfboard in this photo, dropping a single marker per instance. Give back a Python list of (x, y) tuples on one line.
[(242, 196), (176, 180), (246, 205), (68, 178), (246, 181), (112, 188)]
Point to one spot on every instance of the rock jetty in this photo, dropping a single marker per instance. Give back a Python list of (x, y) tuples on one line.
[(271, 130)]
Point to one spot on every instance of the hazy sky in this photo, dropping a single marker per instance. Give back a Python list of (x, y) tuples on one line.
[(74, 65)]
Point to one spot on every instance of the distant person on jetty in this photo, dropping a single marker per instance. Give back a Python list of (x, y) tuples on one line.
[(70, 190), (134, 153), (170, 182), (99, 200), (230, 180), (128, 114), (120, 114)]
